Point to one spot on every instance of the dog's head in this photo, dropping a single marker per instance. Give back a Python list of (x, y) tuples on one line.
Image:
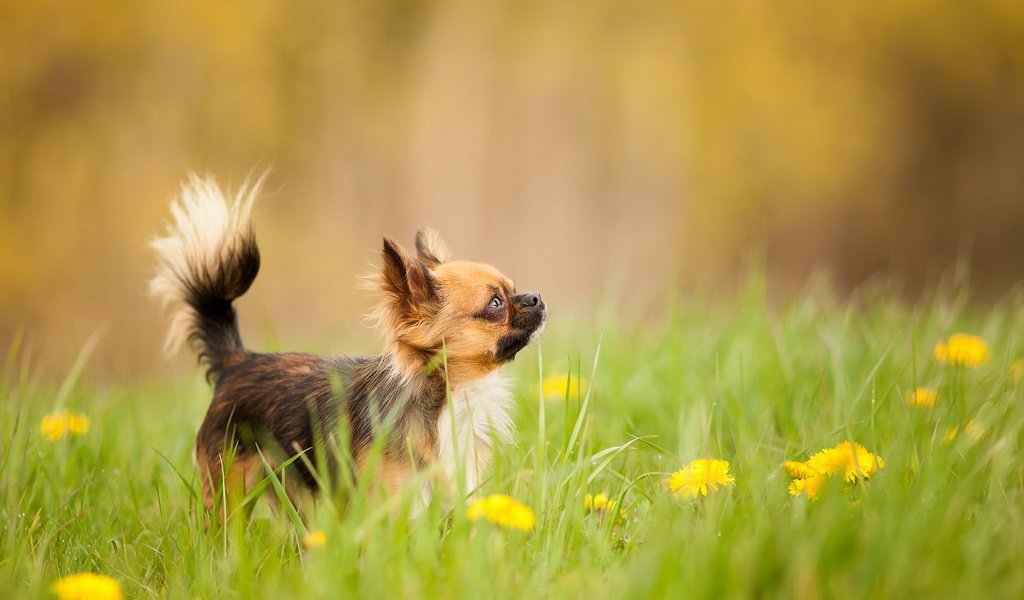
[(469, 310)]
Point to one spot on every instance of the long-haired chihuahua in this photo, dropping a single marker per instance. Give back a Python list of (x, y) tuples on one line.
[(433, 401)]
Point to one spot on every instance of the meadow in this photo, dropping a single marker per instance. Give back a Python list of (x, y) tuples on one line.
[(609, 405)]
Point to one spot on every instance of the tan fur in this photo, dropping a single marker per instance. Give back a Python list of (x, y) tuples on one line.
[(389, 474), (464, 287), (239, 475)]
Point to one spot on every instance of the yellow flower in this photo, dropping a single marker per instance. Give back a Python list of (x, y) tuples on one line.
[(1017, 370), (799, 470), (78, 424), (87, 586), (810, 486), (700, 475), (850, 459), (502, 510), (962, 349), (58, 424), (972, 428), (556, 385), (314, 539), (598, 502), (922, 397)]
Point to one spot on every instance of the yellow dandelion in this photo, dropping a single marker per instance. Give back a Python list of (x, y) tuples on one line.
[(974, 429), (599, 502), (57, 424), (592, 502), (78, 424), (314, 539), (696, 478), (87, 586), (951, 434), (962, 349), (1017, 370), (922, 397), (799, 470), (502, 510), (555, 386), (809, 486), (828, 462), (849, 459)]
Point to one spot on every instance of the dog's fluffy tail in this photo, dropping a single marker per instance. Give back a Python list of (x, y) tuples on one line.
[(207, 259)]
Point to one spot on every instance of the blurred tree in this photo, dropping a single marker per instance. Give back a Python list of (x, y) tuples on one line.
[(588, 147)]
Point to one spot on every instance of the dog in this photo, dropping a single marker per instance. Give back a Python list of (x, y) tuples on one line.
[(434, 401)]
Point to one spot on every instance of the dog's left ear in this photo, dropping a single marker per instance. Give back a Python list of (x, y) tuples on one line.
[(430, 248)]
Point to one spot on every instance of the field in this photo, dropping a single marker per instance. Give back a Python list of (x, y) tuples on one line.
[(741, 379)]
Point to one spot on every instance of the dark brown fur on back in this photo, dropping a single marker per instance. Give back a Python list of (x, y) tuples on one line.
[(273, 402)]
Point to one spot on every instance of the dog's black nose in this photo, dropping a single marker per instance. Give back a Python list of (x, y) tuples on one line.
[(531, 300)]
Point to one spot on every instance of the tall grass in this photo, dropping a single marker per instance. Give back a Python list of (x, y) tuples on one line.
[(736, 380)]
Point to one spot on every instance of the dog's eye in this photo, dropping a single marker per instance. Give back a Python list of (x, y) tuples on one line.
[(495, 302)]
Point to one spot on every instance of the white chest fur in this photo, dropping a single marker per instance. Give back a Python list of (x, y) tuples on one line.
[(475, 418)]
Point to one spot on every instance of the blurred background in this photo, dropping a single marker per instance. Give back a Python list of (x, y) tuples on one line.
[(595, 151)]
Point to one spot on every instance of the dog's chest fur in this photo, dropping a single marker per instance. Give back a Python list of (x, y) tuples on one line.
[(476, 417)]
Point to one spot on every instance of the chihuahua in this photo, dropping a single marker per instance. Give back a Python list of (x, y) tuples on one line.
[(433, 401)]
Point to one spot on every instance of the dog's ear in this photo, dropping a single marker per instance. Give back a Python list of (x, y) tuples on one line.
[(430, 248), (392, 273), (406, 280)]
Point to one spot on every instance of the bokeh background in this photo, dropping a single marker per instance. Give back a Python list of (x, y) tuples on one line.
[(598, 152)]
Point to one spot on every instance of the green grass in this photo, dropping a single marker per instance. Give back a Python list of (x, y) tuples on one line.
[(731, 379)]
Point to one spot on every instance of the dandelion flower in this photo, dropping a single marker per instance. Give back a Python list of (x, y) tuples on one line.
[(696, 478), (555, 386), (502, 510), (599, 502), (1017, 370), (849, 459), (828, 462), (962, 349), (314, 539), (922, 397), (56, 425), (596, 502), (78, 424), (87, 586), (799, 470), (974, 429), (809, 486)]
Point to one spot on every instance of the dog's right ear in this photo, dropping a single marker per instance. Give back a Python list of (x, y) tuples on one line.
[(406, 280)]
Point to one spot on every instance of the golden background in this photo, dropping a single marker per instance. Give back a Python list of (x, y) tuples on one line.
[(597, 152)]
